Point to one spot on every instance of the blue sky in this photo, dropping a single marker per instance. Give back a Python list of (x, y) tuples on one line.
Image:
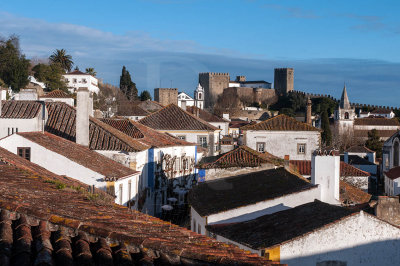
[(171, 41)]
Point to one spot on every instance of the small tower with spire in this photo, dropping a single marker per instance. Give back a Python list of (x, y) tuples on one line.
[(345, 115), (199, 97)]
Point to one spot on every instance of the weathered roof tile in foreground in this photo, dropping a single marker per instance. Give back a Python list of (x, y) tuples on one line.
[(281, 123), (173, 117), (63, 226), (233, 192)]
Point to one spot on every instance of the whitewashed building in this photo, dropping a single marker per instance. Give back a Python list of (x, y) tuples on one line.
[(77, 79), (21, 116), (216, 121), (64, 157), (392, 181), (283, 136), (316, 233), (391, 152), (185, 126), (185, 100)]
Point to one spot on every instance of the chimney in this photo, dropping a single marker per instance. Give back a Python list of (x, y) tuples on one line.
[(82, 116), (325, 172)]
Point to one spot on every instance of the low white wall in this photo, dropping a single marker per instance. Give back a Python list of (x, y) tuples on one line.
[(202, 221), (23, 125), (357, 240)]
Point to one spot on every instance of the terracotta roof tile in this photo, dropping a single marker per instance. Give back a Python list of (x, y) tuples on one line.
[(381, 133), (205, 115), (57, 94), (242, 156), (304, 168), (145, 134), (61, 122), (281, 123), (62, 226), (277, 228), (76, 72), (80, 154), (173, 117), (350, 194), (376, 121), (222, 194), (393, 173), (20, 109)]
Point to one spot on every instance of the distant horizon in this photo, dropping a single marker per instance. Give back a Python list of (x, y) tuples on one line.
[(163, 42)]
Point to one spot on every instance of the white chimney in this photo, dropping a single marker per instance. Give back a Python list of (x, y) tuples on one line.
[(82, 116), (325, 172)]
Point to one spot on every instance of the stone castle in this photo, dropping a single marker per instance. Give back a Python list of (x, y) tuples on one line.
[(221, 92)]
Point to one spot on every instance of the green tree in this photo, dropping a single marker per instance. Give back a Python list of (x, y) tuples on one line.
[(91, 71), (127, 86), (374, 142), (145, 95), (61, 57), (51, 75), (13, 65), (326, 134)]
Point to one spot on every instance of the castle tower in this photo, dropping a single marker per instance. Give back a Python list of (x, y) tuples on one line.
[(213, 85), (166, 96), (344, 116), (199, 97), (283, 80), (308, 111)]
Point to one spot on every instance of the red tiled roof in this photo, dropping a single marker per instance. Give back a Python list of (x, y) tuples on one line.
[(145, 134), (238, 124), (381, 133), (63, 226), (242, 156), (376, 121), (20, 109), (393, 173), (79, 154), (57, 94), (381, 111), (173, 117), (205, 115), (281, 123), (352, 195), (304, 168), (359, 149), (61, 122), (149, 106)]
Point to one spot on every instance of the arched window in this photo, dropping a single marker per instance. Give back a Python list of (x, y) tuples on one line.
[(346, 115), (200, 96), (396, 152)]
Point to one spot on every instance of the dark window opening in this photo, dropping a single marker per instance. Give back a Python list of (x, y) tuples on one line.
[(24, 152)]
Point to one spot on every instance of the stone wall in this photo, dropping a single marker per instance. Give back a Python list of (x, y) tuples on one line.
[(388, 209), (284, 80), (214, 85)]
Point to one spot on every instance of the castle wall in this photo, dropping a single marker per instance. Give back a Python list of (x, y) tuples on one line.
[(283, 80), (214, 85)]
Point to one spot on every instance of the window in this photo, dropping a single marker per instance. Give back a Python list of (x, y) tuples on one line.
[(120, 194), (194, 225), (202, 140), (198, 229), (84, 81), (177, 164), (346, 115), (16, 130), (261, 146), (9, 131), (24, 152), (74, 80), (301, 148), (182, 137), (12, 130)]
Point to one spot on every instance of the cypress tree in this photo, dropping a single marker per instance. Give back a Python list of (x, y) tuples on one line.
[(127, 86), (326, 134)]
